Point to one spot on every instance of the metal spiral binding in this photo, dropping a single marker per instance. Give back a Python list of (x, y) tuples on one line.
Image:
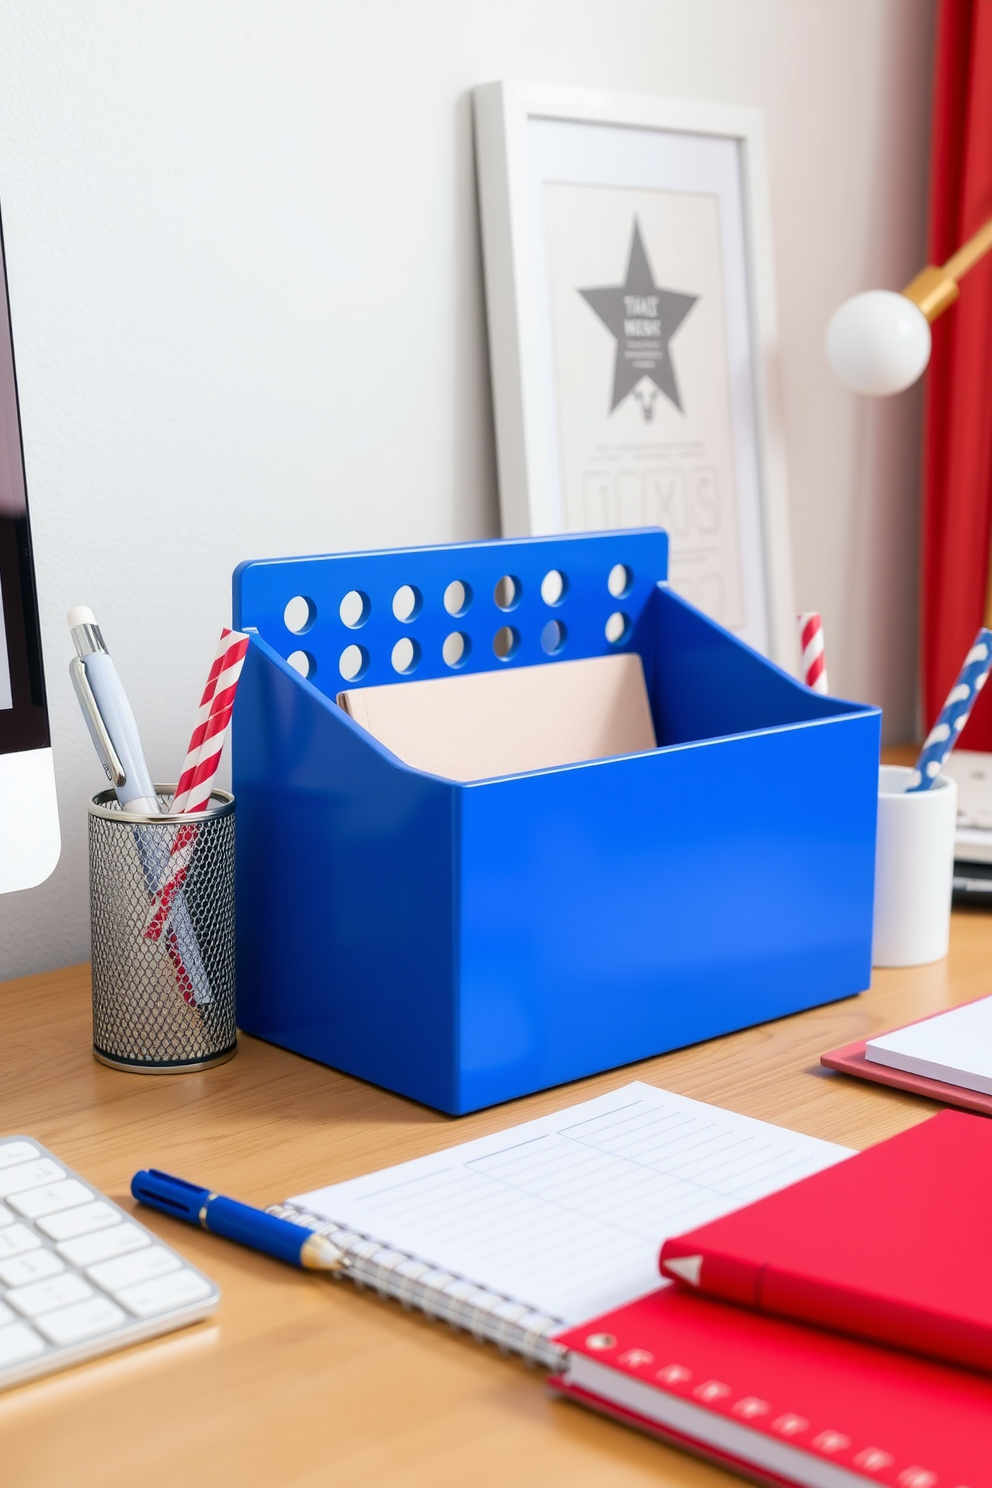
[(488, 1316)]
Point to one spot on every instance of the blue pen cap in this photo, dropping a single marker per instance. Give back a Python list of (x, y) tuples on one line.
[(168, 1194)]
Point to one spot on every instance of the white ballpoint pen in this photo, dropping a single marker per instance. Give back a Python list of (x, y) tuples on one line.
[(115, 735), (108, 715)]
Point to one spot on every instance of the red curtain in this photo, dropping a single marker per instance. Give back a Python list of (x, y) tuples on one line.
[(957, 456)]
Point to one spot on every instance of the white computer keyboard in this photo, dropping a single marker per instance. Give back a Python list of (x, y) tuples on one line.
[(78, 1276)]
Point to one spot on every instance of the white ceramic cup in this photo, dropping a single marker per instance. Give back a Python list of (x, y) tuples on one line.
[(914, 866)]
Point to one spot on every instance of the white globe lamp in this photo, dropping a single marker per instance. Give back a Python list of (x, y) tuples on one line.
[(879, 342)]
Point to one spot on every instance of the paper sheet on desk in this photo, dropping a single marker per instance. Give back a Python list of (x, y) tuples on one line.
[(568, 1212), (954, 1046)]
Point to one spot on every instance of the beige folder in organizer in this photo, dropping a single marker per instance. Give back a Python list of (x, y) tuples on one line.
[(481, 724)]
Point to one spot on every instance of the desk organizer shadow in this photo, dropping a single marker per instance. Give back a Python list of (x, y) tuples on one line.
[(463, 944)]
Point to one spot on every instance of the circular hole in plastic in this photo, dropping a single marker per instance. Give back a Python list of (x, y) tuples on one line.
[(620, 580), (457, 597), (507, 592), (456, 648), (303, 662), (617, 628), (406, 603), (505, 642), (406, 654), (299, 614), (553, 587), (553, 637), (353, 663), (354, 609)]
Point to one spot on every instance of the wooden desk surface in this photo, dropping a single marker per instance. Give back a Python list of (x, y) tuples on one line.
[(302, 1381)]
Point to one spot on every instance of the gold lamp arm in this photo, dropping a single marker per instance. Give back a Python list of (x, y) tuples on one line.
[(935, 290)]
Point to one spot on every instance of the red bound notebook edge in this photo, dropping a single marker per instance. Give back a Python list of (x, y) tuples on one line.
[(667, 1434), (776, 1399), (795, 1254), (840, 1309)]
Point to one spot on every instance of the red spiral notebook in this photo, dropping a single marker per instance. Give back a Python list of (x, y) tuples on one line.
[(779, 1401), (892, 1244)]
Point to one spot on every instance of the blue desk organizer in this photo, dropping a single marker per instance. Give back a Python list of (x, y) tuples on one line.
[(463, 944)]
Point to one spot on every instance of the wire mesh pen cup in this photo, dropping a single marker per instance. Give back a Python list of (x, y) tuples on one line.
[(162, 930)]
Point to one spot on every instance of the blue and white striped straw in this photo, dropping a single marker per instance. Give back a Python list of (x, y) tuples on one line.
[(954, 714)]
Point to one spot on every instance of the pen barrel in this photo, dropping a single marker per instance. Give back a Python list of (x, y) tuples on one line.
[(256, 1229), (120, 722)]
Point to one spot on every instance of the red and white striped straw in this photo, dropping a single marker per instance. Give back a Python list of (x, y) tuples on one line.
[(211, 724), (814, 666), (162, 903), (210, 727)]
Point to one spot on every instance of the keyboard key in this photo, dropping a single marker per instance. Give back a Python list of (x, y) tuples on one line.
[(76, 1273), (180, 1289), (19, 1343), (16, 1240), (43, 1296), (28, 1175), (118, 1241), (145, 1265), (84, 1320), (96, 1216), (35, 1266), (50, 1200), (17, 1152)]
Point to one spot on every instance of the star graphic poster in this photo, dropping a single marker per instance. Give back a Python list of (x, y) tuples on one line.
[(642, 378)]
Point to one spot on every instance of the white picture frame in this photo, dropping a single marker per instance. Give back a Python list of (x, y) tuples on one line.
[(561, 172)]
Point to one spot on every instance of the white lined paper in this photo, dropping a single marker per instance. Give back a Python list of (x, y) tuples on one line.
[(567, 1213)]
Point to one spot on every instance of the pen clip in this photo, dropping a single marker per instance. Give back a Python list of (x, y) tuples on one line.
[(109, 757)]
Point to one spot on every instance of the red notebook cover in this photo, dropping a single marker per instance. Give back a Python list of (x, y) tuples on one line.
[(894, 1243), (780, 1401)]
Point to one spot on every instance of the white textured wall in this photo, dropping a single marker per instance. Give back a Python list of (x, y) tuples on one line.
[(248, 313)]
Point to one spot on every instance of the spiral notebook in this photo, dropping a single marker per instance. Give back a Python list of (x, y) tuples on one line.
[(520, 1234)]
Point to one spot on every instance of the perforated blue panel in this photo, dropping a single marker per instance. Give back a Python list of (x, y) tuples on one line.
[(263, 589)]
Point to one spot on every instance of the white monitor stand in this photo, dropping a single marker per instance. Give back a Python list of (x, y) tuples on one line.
[(29, 822)]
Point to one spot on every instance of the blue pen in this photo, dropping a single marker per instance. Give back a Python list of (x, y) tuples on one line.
[(240, 1222)]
